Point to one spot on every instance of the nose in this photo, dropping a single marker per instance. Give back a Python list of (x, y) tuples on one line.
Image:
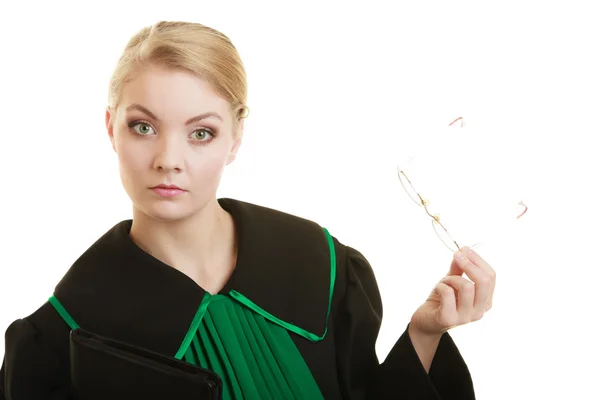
[(169, 154)]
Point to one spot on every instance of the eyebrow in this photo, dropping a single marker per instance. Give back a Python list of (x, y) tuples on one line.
[(197, 118)]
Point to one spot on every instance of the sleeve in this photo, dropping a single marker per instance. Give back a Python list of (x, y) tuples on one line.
[(401, 376), (30, 370)]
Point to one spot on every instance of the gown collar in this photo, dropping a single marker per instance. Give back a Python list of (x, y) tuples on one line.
[(118, 290)]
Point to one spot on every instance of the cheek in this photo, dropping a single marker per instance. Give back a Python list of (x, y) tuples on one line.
[(132, 158), (208, 166)]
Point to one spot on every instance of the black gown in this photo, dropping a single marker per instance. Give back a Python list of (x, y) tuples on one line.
[(295, 288)]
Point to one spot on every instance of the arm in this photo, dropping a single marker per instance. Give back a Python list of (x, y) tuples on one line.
[(402, 375), (30, 369)]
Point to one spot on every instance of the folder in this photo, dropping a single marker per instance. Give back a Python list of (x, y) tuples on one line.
[(103, 368)]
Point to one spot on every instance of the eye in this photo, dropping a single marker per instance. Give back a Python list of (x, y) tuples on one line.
[(142, 128), (203, 135)]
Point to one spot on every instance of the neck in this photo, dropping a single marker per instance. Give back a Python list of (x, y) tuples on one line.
[(197, 246)]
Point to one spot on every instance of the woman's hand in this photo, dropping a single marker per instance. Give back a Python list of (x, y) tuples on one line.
[(455, 300)]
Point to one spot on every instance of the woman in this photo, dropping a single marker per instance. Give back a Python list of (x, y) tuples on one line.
[(222, 283)]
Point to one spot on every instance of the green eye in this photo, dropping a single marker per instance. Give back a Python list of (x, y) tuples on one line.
[(142, 128), (202, 134)]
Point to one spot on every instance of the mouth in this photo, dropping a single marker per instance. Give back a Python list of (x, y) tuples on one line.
[(167, 190), (173, 187)]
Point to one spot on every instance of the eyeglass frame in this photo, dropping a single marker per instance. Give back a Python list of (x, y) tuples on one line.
[(425, 203)]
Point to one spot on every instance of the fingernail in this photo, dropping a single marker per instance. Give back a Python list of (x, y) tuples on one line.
[(460, 256)]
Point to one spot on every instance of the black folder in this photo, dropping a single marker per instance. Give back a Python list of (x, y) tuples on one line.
[(103, 368)]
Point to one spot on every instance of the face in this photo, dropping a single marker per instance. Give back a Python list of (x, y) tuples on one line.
[(171, 128)]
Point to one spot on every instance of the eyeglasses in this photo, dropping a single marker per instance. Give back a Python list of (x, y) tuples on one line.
[(438, 227)]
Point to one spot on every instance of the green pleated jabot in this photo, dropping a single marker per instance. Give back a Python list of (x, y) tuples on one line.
[(255, 357)]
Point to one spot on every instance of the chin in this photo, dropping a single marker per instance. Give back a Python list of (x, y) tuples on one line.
[(166, 211)]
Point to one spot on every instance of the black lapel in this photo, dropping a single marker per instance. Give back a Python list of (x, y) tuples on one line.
[(283, 264)]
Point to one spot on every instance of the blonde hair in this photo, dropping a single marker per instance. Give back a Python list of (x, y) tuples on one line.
[(193, 47)]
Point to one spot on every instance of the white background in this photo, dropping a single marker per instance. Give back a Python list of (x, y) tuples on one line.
[(339, 94)]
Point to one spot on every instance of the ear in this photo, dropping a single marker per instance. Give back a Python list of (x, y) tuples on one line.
[(236, 144), (108, 120)]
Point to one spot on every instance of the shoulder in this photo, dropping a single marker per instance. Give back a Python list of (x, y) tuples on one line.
[(36, 355), (44, 330)]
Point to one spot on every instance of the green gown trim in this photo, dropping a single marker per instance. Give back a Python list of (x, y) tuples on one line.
[(63, 313), (249, 348), (206, 300)]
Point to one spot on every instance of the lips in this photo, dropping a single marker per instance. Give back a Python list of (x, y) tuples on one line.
[(167, 187), (168, 190)]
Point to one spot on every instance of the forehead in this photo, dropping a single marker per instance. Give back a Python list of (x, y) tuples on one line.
[(172, 93)]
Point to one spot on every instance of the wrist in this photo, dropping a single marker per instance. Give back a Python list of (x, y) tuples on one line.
[(421, 326), (425, 339)]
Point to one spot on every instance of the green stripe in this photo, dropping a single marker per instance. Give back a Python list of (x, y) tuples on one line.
[(194, 326), (302, 332), (63, 313)]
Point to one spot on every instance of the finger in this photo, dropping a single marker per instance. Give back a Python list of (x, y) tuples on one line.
[(479, 261), (487, 268), (448, 313), (465, 293), (455, 268), (483, 282)]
